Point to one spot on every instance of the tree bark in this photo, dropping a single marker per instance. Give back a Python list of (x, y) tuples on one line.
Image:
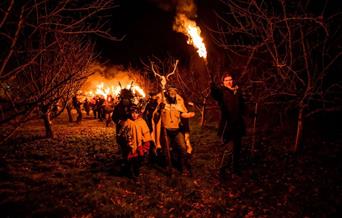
[(47, 125), (203, 117), (68, 107)]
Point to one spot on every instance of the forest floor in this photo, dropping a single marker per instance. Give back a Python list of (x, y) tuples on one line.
[(76, 174)]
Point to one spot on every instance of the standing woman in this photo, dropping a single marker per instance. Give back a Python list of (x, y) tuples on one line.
[(231, 126)]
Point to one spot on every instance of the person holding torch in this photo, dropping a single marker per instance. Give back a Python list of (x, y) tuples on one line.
[(231, 125)]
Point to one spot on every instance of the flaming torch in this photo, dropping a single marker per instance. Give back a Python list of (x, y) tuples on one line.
[(193, 32), (189, 27)]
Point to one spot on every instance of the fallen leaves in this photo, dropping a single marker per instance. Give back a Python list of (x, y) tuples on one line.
[(78, 172)]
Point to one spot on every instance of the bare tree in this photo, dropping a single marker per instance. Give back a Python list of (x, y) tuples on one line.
[(192, 83), (46, 54), (287, 49), (161, 70)]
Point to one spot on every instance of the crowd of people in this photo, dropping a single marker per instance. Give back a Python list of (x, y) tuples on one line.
[(154, 131), (100, 106), (157, 129)]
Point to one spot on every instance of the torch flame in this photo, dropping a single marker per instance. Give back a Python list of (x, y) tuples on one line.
[(192, 31), (196, 40)]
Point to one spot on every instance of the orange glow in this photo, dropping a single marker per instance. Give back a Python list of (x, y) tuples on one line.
[(192, 31), (105, 89)]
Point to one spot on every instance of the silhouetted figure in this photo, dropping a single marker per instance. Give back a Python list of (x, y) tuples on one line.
[(100, 108), (93, 105), (108, 109), (86, 106), (77, 105)]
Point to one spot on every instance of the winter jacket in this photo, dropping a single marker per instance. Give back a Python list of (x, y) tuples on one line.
[(231, 104), (144, 134), (128, 137)]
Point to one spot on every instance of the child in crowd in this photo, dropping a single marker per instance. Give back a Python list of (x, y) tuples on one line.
[(143, 132), (127, 138)]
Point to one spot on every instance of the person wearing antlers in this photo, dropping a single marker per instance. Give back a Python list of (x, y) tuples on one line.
[(231, 125), (166, 122), (171, 111)]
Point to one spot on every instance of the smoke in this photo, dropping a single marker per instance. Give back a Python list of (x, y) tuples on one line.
[(187, 7), (167, 5), (99, 75), (109, 76), (180, 21), (114, 77), (186, 11), (183, 23)]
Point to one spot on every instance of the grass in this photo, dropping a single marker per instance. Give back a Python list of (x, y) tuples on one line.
[(76, 174)]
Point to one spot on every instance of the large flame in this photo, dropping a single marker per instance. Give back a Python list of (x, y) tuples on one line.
[(105, 90), (192, 31)]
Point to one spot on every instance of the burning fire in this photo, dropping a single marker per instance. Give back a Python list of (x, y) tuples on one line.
[(192, 31), (105, 90)]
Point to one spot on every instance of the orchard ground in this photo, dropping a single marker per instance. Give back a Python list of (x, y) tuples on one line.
[(77, 174)]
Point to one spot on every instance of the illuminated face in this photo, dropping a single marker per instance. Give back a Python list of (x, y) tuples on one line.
[(172, 93), (135, 115), (228, 82)]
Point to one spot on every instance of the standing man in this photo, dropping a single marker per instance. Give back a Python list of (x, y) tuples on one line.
[(172, 109), (231, 126)]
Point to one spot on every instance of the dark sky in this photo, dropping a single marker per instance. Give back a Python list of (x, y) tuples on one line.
[(147, 25), (148, 30)]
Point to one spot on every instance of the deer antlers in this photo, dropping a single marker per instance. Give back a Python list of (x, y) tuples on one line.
[(164, 79)]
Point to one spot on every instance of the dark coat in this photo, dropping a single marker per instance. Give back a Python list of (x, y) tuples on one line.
[(121, 112), (232, 109)]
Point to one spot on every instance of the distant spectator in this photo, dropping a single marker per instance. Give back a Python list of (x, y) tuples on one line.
[(86, 106), (77, 105)]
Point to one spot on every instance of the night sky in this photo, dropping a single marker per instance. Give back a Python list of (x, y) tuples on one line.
[(147, 25), (148, 29)]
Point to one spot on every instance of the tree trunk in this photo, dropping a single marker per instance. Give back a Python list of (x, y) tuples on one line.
[(203, 113), (299, 134), (254, 128), (79, 115), (203, 117), (47, 125), (68, 107)]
